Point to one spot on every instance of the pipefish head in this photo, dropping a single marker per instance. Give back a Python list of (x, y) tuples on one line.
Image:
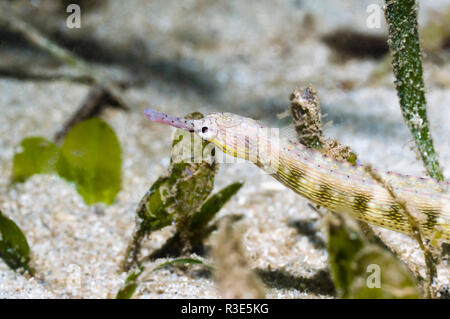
[(233, 134)]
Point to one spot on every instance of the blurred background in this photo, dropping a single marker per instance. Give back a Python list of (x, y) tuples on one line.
[(240, 56)]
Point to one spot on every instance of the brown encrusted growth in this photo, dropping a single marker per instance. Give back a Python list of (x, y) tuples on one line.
[(339, 152), (307, 118), (233, 274), (305, 111)]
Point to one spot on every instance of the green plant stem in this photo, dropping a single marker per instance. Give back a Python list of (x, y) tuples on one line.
[(401, 16)]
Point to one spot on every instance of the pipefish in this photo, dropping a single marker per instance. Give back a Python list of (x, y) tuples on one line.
[(338, 186)]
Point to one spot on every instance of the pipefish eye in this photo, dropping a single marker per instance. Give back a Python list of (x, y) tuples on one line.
[(204, 129)]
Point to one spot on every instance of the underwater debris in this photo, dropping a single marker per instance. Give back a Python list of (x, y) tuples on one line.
[(233, 275)]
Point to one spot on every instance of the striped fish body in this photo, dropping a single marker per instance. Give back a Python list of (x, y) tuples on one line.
[(344, 188), (338, 186)]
